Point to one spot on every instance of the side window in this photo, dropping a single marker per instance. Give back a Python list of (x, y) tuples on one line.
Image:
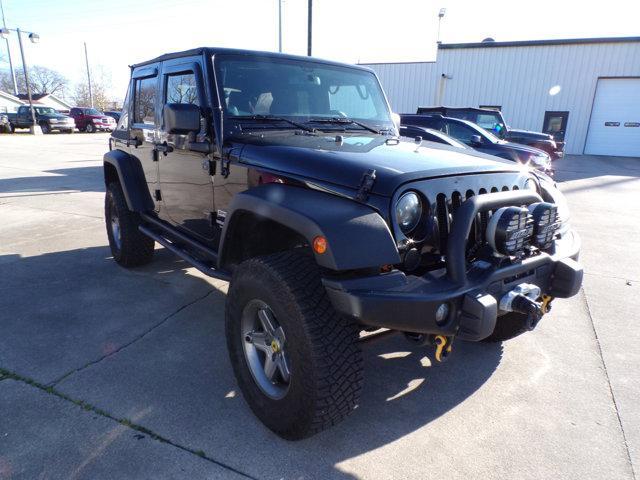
[(182, 88), (144, 105), (461, 132), (488, 121)]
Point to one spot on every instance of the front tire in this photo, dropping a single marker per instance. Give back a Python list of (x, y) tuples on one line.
[(296, 360), (129, 246), (89, 128), (46, 129)]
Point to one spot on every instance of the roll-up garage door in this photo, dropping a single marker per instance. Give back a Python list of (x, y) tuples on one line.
[(615, 119)]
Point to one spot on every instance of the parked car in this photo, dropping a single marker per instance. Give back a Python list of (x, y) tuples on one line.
[(113, 114), (46, 117), (493, 121), (5, 127), (430, 135), (91, 120), (480, 139), (285, 176)]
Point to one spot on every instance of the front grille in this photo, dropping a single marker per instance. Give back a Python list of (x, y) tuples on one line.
[(446, 206)]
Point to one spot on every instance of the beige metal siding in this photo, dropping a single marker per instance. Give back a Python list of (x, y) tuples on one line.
[(518, 78)]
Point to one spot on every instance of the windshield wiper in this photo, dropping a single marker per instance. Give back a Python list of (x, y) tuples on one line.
[(272, 119), (346, 121)]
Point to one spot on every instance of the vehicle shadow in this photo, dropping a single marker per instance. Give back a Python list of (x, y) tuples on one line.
[(84, 179), (95, 332)]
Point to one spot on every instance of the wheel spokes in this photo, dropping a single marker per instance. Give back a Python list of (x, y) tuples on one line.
[(259, 340), (267, 321), (283, 367), (270, 365)]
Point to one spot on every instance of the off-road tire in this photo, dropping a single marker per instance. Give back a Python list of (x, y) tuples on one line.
[(325, 358), (134, 248), (508, 326)]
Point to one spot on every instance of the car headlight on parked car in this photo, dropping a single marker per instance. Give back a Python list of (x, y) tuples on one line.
[(540, 160), (408, 212)]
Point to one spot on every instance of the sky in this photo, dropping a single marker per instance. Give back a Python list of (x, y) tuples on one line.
[(122, 32)]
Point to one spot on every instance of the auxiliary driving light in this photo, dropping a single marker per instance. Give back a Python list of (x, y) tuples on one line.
[(509, 230), (545, 223)]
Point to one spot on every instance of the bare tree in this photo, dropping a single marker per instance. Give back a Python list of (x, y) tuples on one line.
[(100, 83), (42, 80)]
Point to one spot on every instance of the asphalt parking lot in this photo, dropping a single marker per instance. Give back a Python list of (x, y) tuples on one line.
[(109, 373)]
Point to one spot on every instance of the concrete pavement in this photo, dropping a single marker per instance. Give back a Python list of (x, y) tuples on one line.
[(94, 356)]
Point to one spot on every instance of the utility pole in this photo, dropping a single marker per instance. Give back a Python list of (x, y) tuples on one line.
[(440, 15), (26, 80), (280, 26), (309, 27), (86, 58), (13, 73)]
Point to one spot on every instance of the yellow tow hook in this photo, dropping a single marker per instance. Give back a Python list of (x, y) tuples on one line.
[(545, 307), (443, 347)]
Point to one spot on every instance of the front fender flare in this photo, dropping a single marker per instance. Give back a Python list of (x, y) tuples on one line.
[(132, 180), (357, 236)]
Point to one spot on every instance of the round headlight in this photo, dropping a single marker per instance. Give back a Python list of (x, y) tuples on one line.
[(408, 212)]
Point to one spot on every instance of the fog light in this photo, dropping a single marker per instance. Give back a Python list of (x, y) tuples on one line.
[(545, 223), (442, 313), (509, 230)]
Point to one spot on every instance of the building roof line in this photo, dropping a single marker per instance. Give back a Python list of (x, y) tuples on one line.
[(533, 43)]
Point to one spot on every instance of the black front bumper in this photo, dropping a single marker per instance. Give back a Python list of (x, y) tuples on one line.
[(409, 303)]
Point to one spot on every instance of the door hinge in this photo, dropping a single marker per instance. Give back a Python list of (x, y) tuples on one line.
[(158, 195)]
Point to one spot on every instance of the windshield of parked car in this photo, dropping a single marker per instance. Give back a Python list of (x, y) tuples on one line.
[(463, 131), (91, 111), (44, 110), (300, 90)]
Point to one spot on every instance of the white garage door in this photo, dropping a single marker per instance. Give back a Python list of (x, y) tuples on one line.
[(615, 119)]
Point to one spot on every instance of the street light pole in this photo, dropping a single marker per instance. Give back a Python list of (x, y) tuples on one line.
[(309, 26), (26, 80), (13, 73), (280, 26), (86, 58), (440, 15)]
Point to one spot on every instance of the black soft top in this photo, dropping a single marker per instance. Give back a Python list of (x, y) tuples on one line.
[(235, 51)]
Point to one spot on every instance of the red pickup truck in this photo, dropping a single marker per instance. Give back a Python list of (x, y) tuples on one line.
[(91, 120)]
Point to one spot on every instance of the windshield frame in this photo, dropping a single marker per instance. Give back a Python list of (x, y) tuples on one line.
[(225, 117)]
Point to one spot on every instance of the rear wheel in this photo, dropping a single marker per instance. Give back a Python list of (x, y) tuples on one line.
[(509, 326), (129, 246), (296, 360)]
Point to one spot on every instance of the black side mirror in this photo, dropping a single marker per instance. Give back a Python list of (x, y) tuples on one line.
[(476, 140), (181, 118)]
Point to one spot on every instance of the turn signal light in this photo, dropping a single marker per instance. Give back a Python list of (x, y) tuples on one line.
[(320, 244)]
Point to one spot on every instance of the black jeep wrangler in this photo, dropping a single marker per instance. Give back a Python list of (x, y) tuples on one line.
[(285, 176)]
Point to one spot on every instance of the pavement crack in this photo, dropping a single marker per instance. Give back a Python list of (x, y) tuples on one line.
[(131, 342), (7, 374), (606, 374)]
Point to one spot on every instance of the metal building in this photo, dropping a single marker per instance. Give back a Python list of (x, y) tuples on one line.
[(585, 89)]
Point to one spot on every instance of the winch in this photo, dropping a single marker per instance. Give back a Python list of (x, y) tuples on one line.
[(524, 299)]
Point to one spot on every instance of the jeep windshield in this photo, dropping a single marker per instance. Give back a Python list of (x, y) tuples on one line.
[(264, 92)]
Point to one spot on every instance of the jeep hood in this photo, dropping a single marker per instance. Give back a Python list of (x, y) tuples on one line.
[(320, 158), (530, 134)]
